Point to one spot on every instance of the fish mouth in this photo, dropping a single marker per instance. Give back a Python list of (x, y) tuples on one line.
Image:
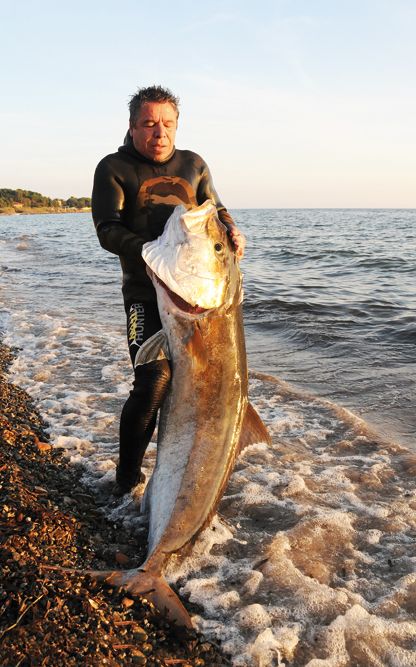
[(176, 299)]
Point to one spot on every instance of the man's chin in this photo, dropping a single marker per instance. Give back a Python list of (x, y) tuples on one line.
[(160, 155)]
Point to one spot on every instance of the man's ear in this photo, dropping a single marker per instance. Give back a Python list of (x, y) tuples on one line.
[(130, 128)]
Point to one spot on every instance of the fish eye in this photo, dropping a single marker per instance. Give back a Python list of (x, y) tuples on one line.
[(218, 247)]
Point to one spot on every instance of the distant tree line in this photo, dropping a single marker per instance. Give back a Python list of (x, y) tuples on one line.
[(28, 199)]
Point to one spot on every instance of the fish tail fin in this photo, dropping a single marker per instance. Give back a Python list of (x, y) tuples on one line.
[(152, 586), (166, 600)]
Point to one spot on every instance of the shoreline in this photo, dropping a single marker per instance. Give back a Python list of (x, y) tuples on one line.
[(44, 210), (48, 516)]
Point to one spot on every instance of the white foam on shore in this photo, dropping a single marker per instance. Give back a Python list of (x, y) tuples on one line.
[(313, 561)]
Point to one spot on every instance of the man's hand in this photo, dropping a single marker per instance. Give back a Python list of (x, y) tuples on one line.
[(238, 240)]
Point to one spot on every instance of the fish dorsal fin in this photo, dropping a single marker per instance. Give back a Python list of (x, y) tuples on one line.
[(154, 348), (253, 429)]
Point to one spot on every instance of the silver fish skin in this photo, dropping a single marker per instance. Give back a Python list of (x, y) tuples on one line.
[(206, 418)]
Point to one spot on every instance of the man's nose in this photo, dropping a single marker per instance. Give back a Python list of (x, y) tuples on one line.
[(159, 129)]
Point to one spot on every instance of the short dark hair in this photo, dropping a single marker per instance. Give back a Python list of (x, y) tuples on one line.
[(151, 94)]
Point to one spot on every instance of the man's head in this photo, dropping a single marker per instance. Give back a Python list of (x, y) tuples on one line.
[(153, 122)]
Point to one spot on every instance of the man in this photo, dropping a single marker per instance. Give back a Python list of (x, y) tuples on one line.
[(135, 192)]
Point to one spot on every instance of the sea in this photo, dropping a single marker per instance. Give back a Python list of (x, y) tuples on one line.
[(311, 559)]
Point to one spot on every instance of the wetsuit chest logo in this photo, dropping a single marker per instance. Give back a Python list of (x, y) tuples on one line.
[(166, 190)]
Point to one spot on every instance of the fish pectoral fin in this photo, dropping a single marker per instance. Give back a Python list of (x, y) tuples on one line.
[(253, 430), (196, 347), (154, 348)]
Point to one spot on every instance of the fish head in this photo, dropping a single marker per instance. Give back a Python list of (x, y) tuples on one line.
[(193, 260)]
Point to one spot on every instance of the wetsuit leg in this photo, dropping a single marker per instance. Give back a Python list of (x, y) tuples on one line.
[(151, 380)]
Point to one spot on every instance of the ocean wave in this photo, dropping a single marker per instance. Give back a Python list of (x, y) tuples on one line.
[(312, 255), (9, 269), (323, 311), (403, 331), (382, 264)]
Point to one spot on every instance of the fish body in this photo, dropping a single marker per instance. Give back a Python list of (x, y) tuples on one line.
[(199, 290), (202, 414)]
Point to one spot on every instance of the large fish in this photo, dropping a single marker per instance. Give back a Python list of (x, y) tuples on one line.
[(206, 418)]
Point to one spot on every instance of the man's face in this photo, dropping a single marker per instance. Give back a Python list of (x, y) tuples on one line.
[(154, 131)]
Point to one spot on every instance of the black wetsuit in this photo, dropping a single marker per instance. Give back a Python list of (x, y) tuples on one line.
[(132, 199)]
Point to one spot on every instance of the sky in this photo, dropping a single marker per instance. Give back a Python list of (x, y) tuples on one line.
[(292, 103)]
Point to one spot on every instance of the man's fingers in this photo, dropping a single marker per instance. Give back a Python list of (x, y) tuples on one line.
[(239, 241)]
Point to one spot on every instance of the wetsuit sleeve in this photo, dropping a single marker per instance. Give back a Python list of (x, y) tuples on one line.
[(206, 191), (108, 201)]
